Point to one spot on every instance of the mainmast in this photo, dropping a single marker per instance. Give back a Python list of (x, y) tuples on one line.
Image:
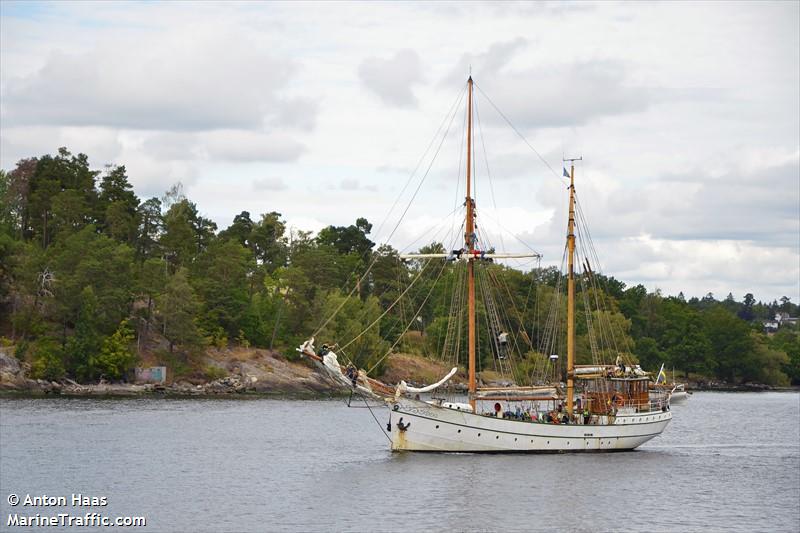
[(571, 290), (469, 237)]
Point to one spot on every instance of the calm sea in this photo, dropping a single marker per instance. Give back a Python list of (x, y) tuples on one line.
[(727, 462)]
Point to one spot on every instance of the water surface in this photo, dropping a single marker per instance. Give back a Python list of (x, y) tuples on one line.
[(728, 461)]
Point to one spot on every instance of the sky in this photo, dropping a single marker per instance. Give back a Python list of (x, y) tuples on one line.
[(686, 116)]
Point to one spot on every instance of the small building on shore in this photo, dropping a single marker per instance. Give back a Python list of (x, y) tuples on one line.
[(153, 374)]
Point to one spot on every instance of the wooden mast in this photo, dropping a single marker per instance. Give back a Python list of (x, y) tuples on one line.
[(470, 245), (571, 293)]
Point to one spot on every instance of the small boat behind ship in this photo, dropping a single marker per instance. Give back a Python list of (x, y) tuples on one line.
[(675, 391)]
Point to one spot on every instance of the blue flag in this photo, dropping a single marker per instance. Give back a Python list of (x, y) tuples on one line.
[(566, 174)]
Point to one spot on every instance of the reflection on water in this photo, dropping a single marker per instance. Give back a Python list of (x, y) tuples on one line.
[(726, 462)]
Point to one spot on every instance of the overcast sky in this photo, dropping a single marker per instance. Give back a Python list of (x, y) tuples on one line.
[(687, 116)]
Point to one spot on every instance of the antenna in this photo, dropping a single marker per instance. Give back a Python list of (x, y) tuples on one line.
[(572, 159)]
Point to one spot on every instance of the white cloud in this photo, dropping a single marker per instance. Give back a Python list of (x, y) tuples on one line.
[(392, 79), (269, 184)]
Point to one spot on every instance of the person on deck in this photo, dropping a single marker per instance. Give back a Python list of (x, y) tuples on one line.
[(352, 373)]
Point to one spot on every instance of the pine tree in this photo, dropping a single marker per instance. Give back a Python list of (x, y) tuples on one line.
[(179, 306)]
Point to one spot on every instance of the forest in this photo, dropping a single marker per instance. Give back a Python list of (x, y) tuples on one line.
[(91, 275)]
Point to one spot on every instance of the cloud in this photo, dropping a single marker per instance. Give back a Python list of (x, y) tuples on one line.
[(348, 184), (485, 64), (565, 95), (269, 184), (102, 145), (247, 146), (392, 79), (190, 78)]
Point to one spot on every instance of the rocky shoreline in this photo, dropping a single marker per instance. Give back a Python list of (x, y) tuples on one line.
[(264, 374), (267, 374)]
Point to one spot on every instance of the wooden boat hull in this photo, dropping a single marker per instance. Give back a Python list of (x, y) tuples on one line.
[(437, 429)]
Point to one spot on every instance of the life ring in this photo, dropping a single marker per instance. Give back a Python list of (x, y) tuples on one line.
[(618, 400)]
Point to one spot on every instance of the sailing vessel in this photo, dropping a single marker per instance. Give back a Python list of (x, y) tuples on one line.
[(602, 407), (676, 392)]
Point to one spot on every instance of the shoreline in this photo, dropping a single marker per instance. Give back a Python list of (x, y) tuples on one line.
[(257, 373), (213, 390)]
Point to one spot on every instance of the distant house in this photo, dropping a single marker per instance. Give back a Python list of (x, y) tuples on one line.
[(781, 319), (784, 319)]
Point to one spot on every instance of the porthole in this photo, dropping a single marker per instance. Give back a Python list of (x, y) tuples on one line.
[(497, 436), (479, 434), (459, 431), (515, 439), (437, 426), (548, 442)]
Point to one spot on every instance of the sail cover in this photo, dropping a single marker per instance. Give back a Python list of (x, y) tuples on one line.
[(403, 387)]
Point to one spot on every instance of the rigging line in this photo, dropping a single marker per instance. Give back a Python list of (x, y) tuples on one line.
[(502, 284), (542, 159), (602, 285), (488, 172), (526, 245), (373, 415), (492, 336), (461, 146), (378, 362), (399, 221), (416, 278), (427, 232), (390, 306), (505, 318), (453, 106), (424, 176)]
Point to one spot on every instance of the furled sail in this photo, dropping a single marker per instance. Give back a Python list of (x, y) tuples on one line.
[(403, 387)]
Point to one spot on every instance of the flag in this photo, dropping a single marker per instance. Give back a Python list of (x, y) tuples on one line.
[(566, 174), (661, 374)]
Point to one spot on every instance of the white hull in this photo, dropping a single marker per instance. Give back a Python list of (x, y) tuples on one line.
[(678, 396), (438, 429)]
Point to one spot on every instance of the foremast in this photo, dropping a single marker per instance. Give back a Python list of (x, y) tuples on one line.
[(469, 238)]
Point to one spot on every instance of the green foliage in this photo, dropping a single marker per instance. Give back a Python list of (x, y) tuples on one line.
[(732, 344), (214, 372), (88, 259), (83, 347), (787, 340), (47, 360), (149, 230), (116, 358), (221, 279), (352, 319), (216, 338), (241, 340), (179, 307)]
